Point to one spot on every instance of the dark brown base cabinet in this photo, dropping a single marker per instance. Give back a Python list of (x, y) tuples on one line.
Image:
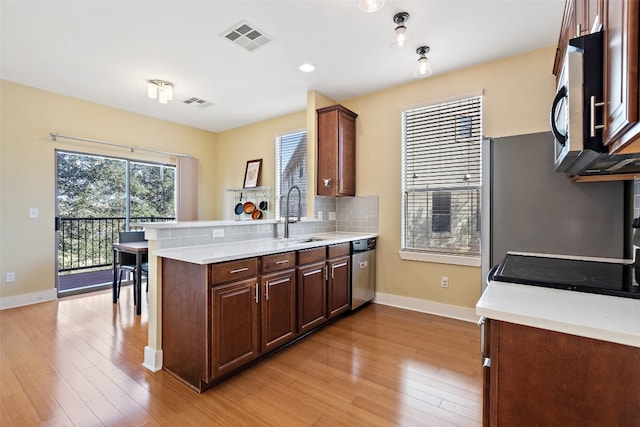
[(186, 319), (219, 318), (278, 309), (235, 325), (312, 296), (539, 377), (324, 287), (339, 277)]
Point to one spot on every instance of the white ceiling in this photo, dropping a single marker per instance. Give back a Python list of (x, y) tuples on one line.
[(106, 51)]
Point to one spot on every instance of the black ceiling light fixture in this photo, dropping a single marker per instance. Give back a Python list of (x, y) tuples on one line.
[(423, 67), (402, 37)]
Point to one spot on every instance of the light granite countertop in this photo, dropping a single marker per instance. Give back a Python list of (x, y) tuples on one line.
[(208, 254)]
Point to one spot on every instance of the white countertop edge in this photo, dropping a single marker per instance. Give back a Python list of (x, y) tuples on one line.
[(602, 317), (209, 254)]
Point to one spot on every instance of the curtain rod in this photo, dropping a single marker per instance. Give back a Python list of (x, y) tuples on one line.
[(132, 148)]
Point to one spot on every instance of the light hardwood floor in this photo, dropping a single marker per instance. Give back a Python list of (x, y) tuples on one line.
[(78, 361)]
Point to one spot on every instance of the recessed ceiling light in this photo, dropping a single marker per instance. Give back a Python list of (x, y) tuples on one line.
[(307, 68)]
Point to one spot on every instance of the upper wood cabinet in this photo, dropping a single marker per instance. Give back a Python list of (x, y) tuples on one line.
[(579, 16), (336, 151), (621, 87)]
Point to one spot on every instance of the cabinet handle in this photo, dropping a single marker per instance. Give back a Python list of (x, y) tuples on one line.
[(333, 267), (326, 272), (486, 362), (239, 270), (275, 282), (593, 125), (257, 285), (482, 347), (311, 273), (266, 294), (284, 261), (327, 182)]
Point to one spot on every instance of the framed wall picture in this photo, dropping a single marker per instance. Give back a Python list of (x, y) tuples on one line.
[(252, 173)]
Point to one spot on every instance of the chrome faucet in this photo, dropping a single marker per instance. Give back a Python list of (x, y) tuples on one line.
[(287, 221)]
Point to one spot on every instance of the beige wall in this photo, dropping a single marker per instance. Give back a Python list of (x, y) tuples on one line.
[(517, 93), (237, 146), (27, 170)]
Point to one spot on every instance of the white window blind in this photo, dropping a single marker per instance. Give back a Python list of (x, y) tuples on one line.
[(441, 177), (291, 169)]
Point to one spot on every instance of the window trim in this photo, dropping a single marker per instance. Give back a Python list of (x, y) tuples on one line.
[(469, 261), (409, 254)]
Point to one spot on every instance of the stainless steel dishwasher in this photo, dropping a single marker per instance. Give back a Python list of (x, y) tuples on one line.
[(363, 271)]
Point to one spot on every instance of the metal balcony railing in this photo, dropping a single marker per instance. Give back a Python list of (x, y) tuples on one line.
[(86, 243)]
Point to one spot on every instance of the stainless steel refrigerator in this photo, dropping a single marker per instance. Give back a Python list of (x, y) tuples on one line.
[(527, 207)]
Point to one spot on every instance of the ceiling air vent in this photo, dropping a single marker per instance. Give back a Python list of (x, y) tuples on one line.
[(247, 36), (197, 102)]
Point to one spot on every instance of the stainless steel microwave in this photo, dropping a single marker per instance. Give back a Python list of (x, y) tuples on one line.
[(576, 112)]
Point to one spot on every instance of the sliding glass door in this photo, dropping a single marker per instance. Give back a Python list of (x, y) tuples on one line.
[(96, 197)]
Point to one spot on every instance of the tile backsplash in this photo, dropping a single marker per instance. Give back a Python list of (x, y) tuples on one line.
[(345, 214)]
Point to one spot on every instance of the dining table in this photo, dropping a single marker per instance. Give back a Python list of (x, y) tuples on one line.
[(139, 249)]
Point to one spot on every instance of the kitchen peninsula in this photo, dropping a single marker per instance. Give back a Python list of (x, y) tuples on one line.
[(245, 287)]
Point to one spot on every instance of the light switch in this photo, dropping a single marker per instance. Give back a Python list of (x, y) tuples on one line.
[(33, 213)]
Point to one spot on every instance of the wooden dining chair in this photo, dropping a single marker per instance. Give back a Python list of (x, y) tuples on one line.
[(127, 262)]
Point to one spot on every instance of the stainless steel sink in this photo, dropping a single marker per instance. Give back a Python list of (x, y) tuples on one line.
[(305, 240)]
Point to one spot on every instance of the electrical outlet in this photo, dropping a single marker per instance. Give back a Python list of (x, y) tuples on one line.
[(218, 232), (11, 277), (33, 213), (320, 215), (332, 216), (444, 281)]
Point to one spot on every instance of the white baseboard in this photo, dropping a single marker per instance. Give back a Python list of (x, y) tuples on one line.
[(152, 359), (431, 307), (28, 299)]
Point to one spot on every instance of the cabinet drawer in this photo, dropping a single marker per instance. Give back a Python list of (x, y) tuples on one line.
[(341, 249), (278, 262), (307, 256), (234, 270)]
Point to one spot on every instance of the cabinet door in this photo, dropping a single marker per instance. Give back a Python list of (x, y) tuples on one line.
[(547, 378), (346, 154), (586, 12), (621, 73), (278, 308), (567, 29), (312, 296), (339, 286), (235, 325), (336, 152)]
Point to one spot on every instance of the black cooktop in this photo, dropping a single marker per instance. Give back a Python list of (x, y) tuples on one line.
[(575, 275)]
